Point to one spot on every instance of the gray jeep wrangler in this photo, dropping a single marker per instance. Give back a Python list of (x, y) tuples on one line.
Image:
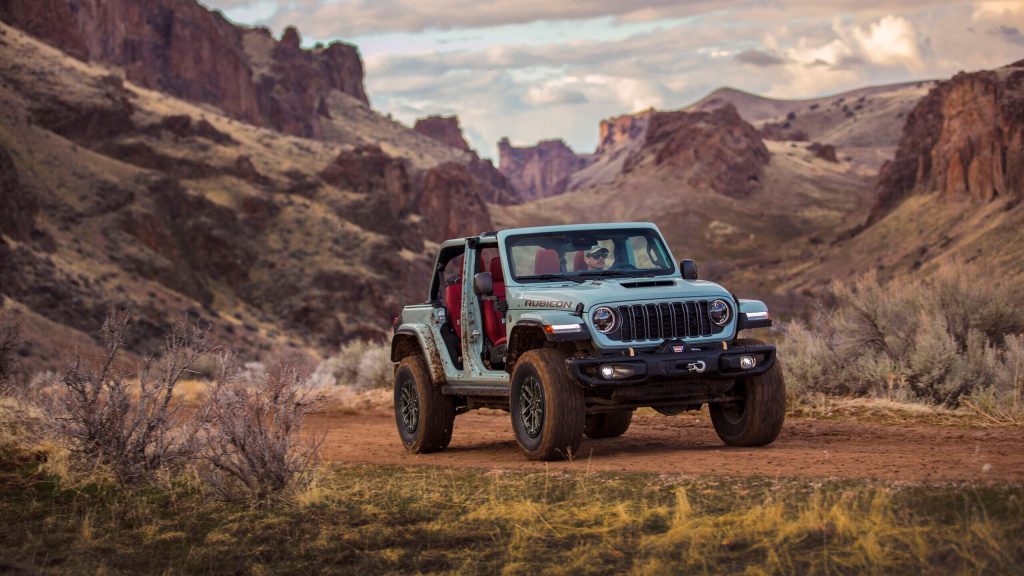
[(571, 329)]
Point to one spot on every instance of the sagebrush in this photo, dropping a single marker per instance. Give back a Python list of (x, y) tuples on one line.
[(359, 364), (11, 373), (942, 339), (129, 427), (251, 426)]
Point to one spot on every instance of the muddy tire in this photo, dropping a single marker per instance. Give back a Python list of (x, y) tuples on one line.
[(756, 419), (425, 417), (607, 424), (546, 405)]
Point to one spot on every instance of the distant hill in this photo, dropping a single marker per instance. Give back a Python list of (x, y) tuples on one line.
[(936, 166)]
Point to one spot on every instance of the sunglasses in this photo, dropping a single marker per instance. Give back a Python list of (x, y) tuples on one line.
[(597, 256)]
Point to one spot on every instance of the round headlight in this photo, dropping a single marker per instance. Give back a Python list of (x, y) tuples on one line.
[(718, 311), (604, 319)]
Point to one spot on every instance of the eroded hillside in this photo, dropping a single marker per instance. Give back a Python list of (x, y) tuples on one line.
[(116, 195)]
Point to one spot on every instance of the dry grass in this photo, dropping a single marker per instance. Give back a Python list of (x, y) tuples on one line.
[(364, 519), (892, 412)]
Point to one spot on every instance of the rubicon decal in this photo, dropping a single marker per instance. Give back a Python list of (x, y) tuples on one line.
[(549, 304)]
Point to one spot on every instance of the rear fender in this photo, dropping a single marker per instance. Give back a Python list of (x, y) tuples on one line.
[(412, 339)]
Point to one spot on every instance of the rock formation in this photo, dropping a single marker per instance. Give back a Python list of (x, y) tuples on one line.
[(450, 204), (444, 129), (621, 132), (492, 186), (447, 197), (826, 152), (538, 171), (17, 218), (964, 140), (718, 150), (181, 48)]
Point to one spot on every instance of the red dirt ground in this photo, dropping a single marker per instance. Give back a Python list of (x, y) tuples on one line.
[(687, 444)]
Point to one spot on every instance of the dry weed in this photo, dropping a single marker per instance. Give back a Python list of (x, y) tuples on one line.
[(250, 431), (107, 423), (937, 340)]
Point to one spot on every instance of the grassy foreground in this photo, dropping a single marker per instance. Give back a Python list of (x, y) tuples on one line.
[(373, 519)]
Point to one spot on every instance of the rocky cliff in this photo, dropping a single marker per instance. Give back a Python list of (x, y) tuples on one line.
[(490, 184), (964, 140), (444, 129), (112, 196), (538, 171), (181, 48), (715, 150)]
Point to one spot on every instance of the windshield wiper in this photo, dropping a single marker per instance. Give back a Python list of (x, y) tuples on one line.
[(551, 277)]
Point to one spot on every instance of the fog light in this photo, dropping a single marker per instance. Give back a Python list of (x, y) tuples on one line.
[(747, 362), (621, 371)]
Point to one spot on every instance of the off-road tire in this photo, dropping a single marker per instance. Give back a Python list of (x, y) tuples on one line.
[(558, 433), (607, 424), (435, 412), (757, 419)]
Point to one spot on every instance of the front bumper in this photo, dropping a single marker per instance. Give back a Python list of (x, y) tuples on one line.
[(661, 366)]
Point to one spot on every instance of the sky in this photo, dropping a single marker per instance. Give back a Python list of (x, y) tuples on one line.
[(532, 70)]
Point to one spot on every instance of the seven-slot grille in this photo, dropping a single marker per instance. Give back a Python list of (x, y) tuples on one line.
[(665, 320)]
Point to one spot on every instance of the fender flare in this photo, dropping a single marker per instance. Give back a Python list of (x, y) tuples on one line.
[(410, 339)]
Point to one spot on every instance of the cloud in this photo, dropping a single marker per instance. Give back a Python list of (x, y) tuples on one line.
[(997, 9), (532, 69), (758, 58), (1010, 34), (346, 18), (890, 41)]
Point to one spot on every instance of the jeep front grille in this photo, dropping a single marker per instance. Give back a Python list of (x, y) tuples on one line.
[(665, 320)]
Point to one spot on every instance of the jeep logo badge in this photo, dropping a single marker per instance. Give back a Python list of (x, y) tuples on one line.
[(699, 366)]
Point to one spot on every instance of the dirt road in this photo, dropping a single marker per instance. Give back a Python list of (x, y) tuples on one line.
[(687, 444)]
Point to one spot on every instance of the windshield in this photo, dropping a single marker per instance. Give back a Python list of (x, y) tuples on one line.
[(578, 255)]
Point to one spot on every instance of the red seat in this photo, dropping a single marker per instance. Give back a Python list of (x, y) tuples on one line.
[(453, 301), (494, 320), (546, 262), (579, 263)]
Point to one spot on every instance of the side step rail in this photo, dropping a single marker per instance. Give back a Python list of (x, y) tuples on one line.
[(466, 389)]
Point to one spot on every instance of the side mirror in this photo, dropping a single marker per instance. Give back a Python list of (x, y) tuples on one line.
[(483, 284), (689, 269)]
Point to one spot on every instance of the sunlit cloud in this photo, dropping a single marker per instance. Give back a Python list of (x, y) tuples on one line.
[(533, 69)]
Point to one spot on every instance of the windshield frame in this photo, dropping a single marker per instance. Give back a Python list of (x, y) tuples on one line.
[(649, 233)]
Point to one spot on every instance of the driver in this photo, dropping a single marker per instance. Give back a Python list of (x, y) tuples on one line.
[(596, 258)]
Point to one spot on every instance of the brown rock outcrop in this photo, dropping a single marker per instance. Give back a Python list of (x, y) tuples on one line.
[(292, 93), (180, 47), (826, 152), (17, 217), (538, 171), (621, 132), (448, 197), (492, 186), (444, 129), (718, 149), (450, 203), (965, 139)]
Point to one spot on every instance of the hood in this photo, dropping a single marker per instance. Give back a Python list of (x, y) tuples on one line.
[(568, 295)]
